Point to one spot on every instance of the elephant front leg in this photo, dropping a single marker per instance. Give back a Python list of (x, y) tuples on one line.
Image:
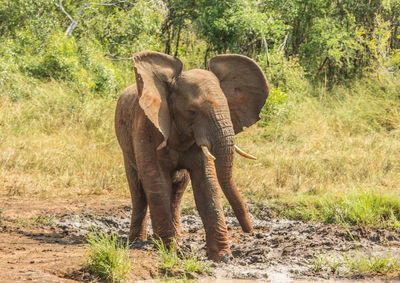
[(208, 202), (180, 180), (139, 213), (158, 187)]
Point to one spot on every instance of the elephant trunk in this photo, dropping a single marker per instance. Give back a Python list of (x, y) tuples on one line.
[(223, 149)]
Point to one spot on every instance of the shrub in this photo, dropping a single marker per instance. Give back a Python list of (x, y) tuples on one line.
[(276, 106)]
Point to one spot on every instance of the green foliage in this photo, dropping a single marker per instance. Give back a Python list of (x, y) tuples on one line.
[(123, 28), (38, 17), (329, 40), (81, 63), (377, 45), (284, 73), (330, 48), (323, 33), (276, 107), (107, 258), (230, 25), (60, 59)]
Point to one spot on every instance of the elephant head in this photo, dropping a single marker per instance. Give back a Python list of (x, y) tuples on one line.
[(202, 110)]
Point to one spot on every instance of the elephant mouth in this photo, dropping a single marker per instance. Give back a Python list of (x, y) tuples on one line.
[(238, 150)]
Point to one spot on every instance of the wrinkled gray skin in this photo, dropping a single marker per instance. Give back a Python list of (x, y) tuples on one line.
[(170, 126)]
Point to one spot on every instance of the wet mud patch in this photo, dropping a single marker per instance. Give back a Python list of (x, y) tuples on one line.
[(277, 249)]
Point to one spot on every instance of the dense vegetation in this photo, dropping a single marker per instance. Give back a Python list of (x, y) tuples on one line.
[(328, 142)]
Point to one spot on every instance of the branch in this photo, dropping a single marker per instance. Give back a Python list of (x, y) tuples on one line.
[(266, 49), (323, 63), (283, 45), (74, 22), (63, 10)]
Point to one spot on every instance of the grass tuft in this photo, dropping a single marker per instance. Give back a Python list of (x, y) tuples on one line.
[(174, 263), (107, 258), (356, 263), (378, 264)]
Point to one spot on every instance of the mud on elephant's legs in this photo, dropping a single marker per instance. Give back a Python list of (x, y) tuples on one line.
[(139, 216), (208, 202), (180, 180)]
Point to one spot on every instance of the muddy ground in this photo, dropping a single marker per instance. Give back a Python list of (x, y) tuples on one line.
[(43, 241)]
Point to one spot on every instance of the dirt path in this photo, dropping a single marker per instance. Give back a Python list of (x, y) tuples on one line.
[(42, 241)]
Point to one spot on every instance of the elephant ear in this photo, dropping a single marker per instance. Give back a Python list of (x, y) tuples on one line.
[(245, 86), (154, 73)]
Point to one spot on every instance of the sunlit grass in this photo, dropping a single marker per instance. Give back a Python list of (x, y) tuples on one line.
[(354, 207), (378, 264), (57, 143), (107, 258), (314, 162), (331, 150)]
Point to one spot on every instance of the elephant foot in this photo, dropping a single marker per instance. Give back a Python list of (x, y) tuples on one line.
[(222, 256), (225, 258), (138, 244), (133, 237)]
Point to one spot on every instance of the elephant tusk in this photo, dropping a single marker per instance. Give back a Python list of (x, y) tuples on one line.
[(207, 153), (244, 154)]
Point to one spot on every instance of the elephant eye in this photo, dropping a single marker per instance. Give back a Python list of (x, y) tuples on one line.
[(191, 112)]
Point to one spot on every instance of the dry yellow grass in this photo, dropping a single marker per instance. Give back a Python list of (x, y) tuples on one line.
[(57, 144)]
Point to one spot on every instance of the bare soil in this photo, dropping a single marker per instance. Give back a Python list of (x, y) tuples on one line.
[(277, 250)]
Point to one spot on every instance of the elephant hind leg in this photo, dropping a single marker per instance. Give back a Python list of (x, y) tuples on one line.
[(139, 215), (180, 180)]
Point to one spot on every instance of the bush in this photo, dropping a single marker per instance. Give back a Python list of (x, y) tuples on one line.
[(276, 107), (79, 63)]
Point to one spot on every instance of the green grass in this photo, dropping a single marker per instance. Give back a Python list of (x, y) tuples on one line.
[(356, 207), (379, 264), (107, 258), (174, 263), (356, 263)]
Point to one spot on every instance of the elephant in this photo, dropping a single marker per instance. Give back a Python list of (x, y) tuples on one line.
[(176, 126)]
